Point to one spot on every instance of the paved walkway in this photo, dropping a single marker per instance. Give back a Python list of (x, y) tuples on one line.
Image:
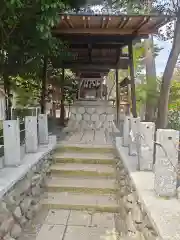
[(100, 137), (80, 202)]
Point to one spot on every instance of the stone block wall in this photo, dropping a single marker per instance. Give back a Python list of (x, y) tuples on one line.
[(21, 203), (92, 116), (132, 220)]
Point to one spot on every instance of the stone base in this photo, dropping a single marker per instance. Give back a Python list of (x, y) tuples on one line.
[(132, 219), (92, 114), (22, 202)]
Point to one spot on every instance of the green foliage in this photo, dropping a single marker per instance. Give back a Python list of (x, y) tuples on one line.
[(27, 91), (174, 119), (174, 100), (70, 84), (26, 37)]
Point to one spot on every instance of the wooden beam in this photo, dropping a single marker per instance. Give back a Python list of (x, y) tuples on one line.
[(90, 52), (99, 38), (94, 71), (102, 31), (95, 46), (95, 66), (100, 60), (133, 92)]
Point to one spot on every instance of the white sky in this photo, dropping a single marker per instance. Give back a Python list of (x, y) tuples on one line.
[(163, 55)]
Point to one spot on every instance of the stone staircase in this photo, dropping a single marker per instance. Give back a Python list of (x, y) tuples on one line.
[(82, 178)]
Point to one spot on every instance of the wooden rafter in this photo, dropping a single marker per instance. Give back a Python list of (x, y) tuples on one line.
[(103, 22), (70, 22), (123, 22), (142, 23), (88, 22), (84, 21), (108, 21), (64, 21)]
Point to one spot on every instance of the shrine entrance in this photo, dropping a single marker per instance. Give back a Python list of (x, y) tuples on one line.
[(96, 44)]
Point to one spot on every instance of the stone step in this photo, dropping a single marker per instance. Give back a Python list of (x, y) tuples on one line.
[(77, 169), (83, 202), (85, 148), (91, 158), (81, 185)]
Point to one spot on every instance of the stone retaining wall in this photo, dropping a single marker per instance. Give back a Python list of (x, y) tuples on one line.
[(21, 203), (92, 115), (132, 221)]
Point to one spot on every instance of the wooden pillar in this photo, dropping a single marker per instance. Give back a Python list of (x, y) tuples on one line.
[(43, 89), (133, 93), (62, 109), (117, 98)]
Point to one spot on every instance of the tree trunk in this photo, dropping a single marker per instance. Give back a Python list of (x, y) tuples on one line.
[(62, 110), (7, 97), (162, 119), (43, 89), (150, 80)]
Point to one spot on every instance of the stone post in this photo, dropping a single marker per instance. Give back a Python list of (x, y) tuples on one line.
[(126, 130), (166, 162), (31, 138), (134, 136), (147, 130), (12, 153), (43, 129), (121, 121)]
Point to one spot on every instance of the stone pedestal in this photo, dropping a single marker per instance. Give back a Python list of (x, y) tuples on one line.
[(166, 163), (134, 136), (146, 146), (53, 139), (89, 114), (12, 153), (126, 130), (31, 141), (43, 129), (121, 122)]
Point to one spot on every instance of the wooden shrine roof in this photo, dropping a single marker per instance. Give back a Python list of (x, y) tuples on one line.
[(95, 41), (137, 25)]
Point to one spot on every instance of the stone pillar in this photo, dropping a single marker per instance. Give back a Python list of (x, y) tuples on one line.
[(43, 129), (146, 146), (133, 136), (12, 153), (166, 162), (121, 121), (31, 138), (126, 130), (53, 139)]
